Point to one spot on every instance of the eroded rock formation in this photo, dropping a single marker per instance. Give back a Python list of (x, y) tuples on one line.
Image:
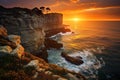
[(74, 60), (29, 25), (18, 64)]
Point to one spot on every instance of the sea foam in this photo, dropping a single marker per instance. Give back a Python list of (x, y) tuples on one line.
[(89, 68)]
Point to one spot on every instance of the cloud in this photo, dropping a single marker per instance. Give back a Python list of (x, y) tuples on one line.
[(74, 1), (71, 7)]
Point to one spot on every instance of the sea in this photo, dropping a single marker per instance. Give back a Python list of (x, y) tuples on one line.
[(97, 42)]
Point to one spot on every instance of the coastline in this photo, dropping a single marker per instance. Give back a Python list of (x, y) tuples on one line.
[(34, 43)]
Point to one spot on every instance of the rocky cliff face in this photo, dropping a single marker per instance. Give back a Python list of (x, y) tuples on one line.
[(16, 64), (29, 25)]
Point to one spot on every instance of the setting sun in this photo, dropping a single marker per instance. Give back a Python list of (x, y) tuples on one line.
[(75, 19)]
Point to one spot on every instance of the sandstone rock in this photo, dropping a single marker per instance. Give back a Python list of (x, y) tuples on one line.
[(3, 31), (6, 49), (32, 40), (30, 27), (62, 79), (73, 60), (15, 39), (56, 76), (41, 70), (35, 75), (18, 51), (71, 77), (6, 42), (4, 39), (34, 63), (48, 72)]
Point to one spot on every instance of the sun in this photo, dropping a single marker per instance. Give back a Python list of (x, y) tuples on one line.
[(76, 19)]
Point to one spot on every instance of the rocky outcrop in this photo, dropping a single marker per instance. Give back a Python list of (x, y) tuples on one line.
[(49, 43), (7, 43), (30, 25), (55, 31), (73, 60), (4, 39), (15, 66)]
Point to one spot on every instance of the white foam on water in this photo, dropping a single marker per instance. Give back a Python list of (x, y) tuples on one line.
[(61, 34), (88, 68)]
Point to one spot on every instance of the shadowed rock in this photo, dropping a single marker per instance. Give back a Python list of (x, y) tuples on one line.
[(55, 31), (49, 43), (4, 39), (42, 54), (73, 60)]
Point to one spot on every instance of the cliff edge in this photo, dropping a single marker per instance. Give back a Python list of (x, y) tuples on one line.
[(31, 25), (16, 64)]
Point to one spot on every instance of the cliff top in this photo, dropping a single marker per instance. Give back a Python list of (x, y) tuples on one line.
[(18, 11)]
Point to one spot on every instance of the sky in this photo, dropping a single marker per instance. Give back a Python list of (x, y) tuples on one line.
[(74, 9)]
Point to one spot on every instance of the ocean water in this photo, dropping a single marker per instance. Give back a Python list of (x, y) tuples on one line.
[(97, 42)]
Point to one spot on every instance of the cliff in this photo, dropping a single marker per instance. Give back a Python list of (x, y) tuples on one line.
[(31, 25), (16, 64)]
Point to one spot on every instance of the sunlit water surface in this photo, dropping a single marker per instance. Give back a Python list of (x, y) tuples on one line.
[(97, 42)]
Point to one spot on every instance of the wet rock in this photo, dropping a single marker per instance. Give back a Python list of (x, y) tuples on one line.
[(72, 60), (49, 43), (55, 31)]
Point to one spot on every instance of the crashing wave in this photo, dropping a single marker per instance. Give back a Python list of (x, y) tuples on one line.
[(89, 68), (61, 34)]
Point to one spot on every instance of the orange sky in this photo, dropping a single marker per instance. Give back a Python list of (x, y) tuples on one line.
[(81, 9)]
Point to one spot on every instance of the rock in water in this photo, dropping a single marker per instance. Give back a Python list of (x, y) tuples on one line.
[(73, 60), (49, 43)]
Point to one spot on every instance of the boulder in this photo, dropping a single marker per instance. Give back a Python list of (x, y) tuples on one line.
[(34, 63), (73, 60), (71, 76), (49, 43), (5, 49), (6, 42), (62, 79), (15, 39), (18, 51)]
